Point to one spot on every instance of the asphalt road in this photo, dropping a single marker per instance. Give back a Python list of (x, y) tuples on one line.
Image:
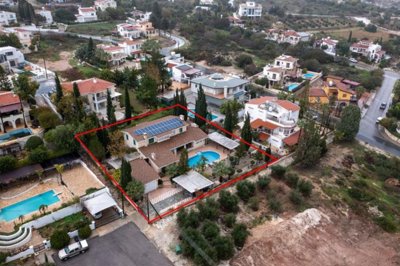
[(369, 131), (122, 247)]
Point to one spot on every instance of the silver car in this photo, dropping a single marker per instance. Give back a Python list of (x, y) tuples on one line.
[(73, 250)]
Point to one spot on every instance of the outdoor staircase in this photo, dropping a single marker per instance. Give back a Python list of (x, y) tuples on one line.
[(17, 239)]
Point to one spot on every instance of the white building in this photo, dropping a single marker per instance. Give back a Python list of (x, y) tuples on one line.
[(86, 14), (284, 66), (130, 31), (250, 9), (95, 92), (46, 14), (11, 57), (104, 4), (287, 36), (184, 73), (12, 113), (368, 49), (329, 45), (7, 3), (116, 54), (132, 48), (206, 2), (7, 18), (24, 35), (275, 120), (218, 88)]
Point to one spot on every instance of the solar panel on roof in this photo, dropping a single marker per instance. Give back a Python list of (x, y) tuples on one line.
[(161, 127)]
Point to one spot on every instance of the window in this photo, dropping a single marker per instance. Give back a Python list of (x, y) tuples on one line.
[(134, 142), (126, 137), (180, 130), (9, 53), (344, 95), (151, 140)]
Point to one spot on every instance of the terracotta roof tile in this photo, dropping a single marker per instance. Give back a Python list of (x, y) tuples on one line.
[(292, 139), (265, 124), (143, 172), (88, 86), (8, 98), (317, 92)]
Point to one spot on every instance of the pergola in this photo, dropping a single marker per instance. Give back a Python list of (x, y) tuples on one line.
[(223, 141), (192, 182), (99, 203)]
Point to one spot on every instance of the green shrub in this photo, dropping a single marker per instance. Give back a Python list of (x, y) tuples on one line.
[(387, 223), (91, 190), (263, 182), (33, 142), (3, 257), (359, 194), (39, 155), (192, 219), (210, 230), (224, 247), (254, 203), (240, 234), (295, 197), (278, 171), (7, 163), (292, 179), (208, 209), (305, 187), (275, 206), (229, 219), (59, 239), (84, 232), (228, 202), (245, 190)]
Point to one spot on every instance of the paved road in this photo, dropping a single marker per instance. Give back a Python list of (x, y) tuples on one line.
[(122, 247), (369, 130), (179, 42)]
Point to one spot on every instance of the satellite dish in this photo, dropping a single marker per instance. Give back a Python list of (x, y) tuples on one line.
[(270, 108)]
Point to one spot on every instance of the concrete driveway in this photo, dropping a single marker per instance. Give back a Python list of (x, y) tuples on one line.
[(124, 246)]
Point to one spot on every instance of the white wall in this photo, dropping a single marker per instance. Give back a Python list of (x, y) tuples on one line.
[(148, 187)]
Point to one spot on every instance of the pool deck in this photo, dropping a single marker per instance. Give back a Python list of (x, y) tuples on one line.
[(211, 147), (77, 180)]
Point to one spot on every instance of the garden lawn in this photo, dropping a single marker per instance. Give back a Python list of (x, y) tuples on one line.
[(69, 223), (97, 28)]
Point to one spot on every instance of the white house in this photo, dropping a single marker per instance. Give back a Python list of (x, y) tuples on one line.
[(24, 35), (218, 88), (329, 45), (284, 66), (287, 36), (206, 2), (86, 14), (7, 3), (273, 119), (132, 48), (116, 54), (184, 73), (104, 4), (160, 142), (368, 49), (7, 18), (250, 9), (130, 31), (11, 111), (11, 57), (46, 14), (95, 92)]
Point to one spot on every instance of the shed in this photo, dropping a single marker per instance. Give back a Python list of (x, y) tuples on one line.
[(99, 203)]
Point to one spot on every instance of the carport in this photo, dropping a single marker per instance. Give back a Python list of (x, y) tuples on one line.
[(193, 182), (223, 141)]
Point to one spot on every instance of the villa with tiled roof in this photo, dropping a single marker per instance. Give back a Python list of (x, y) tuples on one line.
[(274, 120), (284, 66), (11, 111)]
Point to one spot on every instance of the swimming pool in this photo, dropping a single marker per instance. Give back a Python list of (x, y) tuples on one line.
[(293, 86), (308, 75), (27, 206), (211, 118), (18, 133), (210, 156)]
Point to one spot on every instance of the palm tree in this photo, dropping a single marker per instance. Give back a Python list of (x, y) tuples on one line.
[(42, 208), (60, 170), (21, 218)]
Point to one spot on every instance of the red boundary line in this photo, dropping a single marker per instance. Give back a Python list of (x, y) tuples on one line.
[(206, 194)]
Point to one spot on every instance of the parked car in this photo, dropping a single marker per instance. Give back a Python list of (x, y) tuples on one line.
[(73, 250), (353, 60), (383, 106), (378, 120)]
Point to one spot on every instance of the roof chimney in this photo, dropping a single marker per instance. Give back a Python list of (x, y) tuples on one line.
[(94, 80), (181, 117), (153, 156), (145, 135)]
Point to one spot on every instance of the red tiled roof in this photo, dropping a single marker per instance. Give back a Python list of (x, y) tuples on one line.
[(317, 92), (89, 86), (170, 65), (265, 124), (283, 103), (350, 82), (288, 105), (8, 98), (143, 172), (87, 9), (275, 69), (261, 100), (292, 139), (291, 33), (263, 136)]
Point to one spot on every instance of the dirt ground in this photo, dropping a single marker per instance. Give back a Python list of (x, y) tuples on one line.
[(228, 69), (59, 65)]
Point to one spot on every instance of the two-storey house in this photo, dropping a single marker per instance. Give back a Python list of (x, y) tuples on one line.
[(132, 48), (86, 14), (335, 87), (368, 49), (104, 4), (95, 92), (46, 14), (129, 31), (184, 73), (218, 88), (285, 66), (250, 10), (274, 120), (11, 57), (7, 18), (116, 54), (11, 111)]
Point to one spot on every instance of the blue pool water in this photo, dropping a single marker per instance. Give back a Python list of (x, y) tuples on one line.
[(210, 156), (211, 118), (293, 86), (27, 206), (18, 133), (308, 75)]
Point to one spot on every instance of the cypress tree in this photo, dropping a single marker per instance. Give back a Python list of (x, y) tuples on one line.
[(201, 107), (126, 173), (103, 134), (246, 133), (91, 50), (182, 101), (128, 107), (183, 162), (350, 36), (76, 91), (267, 158), (228, 125), (79, 112), (59, 92), (176, 101), (110, 109)]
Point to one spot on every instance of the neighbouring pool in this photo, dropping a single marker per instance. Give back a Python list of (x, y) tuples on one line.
[(308, 75), (212, 117), (210, 156), (27, 206), (18, 133), (293, 86)]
